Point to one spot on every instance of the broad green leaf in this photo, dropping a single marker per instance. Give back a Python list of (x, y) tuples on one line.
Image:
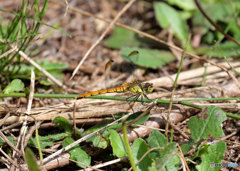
[(157, 139), (212, 154), (122, 38), (31, 160), (47, 141), (139, 148), (117, 143), (167, 159), (15, 86), (77, 153), (148, 58), (168, 17), (208, 123)]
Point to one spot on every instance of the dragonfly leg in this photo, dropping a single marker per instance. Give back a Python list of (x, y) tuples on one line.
[(145, 96), (142, 100), (135, 97)]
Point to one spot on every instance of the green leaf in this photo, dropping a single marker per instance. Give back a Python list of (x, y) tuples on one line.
[(10, 138), (122, 38), (184, 4), (218, 11), (117, 144), (31, 160), (208, 123), (15, 86), (157, 139), (228, 49), (168, 17), (167, 160), (212, 154), (64, 124), (99, 141), (148, 58), (49, 66), (139, 148), (47, 141), (77, 153)]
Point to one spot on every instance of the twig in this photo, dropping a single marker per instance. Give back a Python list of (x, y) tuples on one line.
[(53, 79), (183, 157), (4, 119), (29, 106), (103, 35), (175, 127), (30, 132), (105, 164), (9, 159), (9, 142), (8, 52)]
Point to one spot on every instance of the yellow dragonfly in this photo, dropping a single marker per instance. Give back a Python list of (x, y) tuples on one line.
[(135, 87)]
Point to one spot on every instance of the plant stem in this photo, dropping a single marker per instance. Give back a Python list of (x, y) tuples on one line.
[(128, 148)]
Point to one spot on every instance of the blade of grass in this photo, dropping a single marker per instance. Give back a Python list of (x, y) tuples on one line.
[(175, 85)]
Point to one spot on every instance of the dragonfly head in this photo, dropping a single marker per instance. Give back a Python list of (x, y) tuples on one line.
[(148, 87)]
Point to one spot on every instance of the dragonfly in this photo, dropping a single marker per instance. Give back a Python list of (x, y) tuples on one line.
[(135, 87)]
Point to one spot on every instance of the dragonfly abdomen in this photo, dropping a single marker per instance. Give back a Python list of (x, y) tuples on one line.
[(110, 90)]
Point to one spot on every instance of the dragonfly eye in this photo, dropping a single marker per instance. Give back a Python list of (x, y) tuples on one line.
[(148, 87)]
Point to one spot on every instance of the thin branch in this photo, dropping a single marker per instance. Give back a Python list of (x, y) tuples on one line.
[(103, 35)]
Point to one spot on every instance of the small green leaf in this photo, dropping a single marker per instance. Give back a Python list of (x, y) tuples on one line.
[(98, 141), (207, 124), (122, 38), (15, 86), (212, 154), (139, 148), (148, 58), (49, 66), (117, 143), (77, 153), (157, 139), (64, 124), (47, 141), (168, 17), (31, 160)]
